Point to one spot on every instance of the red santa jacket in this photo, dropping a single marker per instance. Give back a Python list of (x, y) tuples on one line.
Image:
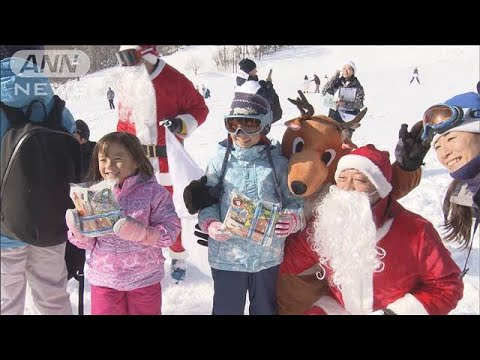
[(419, 276), (175, 96)]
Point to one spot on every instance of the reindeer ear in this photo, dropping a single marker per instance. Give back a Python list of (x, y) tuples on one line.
[(294, 124)]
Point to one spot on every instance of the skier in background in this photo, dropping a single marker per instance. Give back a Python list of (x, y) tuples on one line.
[(415, 75)]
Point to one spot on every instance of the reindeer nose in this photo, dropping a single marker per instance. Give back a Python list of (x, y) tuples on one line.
[(298, 187)]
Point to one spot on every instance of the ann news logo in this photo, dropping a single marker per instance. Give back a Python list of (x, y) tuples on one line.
[(52, 63)]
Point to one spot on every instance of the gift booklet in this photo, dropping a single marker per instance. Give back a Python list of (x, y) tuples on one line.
[(96, 206), (253, 220)]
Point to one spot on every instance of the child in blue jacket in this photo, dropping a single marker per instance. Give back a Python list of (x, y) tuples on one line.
[(252, 165)]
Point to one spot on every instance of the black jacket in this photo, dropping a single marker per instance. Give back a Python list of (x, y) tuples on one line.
[(267, 91), (87, 151)]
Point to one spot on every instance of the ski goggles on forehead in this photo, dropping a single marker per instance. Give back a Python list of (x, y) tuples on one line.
[(249, 125), (129, 57), (441, 118)]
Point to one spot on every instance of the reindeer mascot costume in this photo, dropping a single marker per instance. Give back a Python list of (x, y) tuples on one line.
[(314, 144)]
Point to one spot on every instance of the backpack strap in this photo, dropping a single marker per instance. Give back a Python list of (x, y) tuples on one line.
[(16, 116), (216, 191), (54, 120), (278, 193)]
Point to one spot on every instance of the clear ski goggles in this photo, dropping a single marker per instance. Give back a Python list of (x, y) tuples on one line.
[(129, 57), (442, 117), (249, 124)]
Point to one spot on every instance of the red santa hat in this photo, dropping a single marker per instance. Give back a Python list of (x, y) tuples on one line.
[(371, 162), (148, 52)]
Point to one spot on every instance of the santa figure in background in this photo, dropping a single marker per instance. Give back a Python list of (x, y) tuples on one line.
[(179, 108)]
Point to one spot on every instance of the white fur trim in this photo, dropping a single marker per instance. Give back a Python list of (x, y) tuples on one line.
[(151, 58), (190, 123), (126, 47), (472, 126), (330, 306), (163, 179), (158, 69), (384, 230), (249, 87), (242, 74), (363, 303), (367, 167), (178, 255), (408, 305)]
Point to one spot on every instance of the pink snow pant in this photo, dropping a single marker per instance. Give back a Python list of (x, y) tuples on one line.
[(143, 301)]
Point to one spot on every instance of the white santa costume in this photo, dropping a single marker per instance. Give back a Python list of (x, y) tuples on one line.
[(379, 258), (175, 97)]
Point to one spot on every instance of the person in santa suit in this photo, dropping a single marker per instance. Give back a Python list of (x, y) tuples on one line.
[(378, 257), (180, 105)]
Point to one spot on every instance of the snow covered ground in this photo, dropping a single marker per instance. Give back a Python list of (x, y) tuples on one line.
[(384, 71)]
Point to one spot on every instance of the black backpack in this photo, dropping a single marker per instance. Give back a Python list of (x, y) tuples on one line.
[(39, 160)]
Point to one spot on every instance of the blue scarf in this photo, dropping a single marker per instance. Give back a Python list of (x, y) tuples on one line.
[(470, 174)]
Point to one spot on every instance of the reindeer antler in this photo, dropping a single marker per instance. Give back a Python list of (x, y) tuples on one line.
[(355, 123), (302, 103)]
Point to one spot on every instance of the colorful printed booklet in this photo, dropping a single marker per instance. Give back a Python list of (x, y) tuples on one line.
[(97, 207), (253, 220)]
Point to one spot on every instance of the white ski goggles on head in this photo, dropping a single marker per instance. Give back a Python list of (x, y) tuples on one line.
[(249, 124)]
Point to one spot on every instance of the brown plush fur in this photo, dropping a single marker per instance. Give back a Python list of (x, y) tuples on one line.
[(319, 135)]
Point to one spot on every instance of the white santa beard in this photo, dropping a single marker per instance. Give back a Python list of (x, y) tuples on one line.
[(345, 240), (137, 95)]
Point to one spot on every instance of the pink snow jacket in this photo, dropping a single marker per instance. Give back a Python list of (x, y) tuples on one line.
[(127, 265)]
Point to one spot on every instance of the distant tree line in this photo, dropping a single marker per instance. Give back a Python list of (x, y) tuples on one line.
[(226, 58)]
